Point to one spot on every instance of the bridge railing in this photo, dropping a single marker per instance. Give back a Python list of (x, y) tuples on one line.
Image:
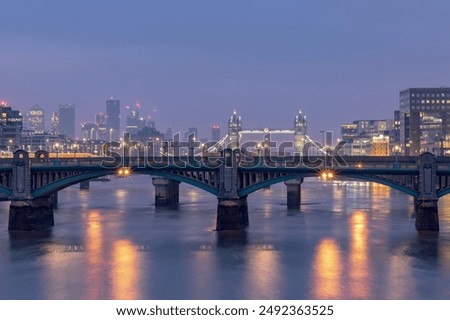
[(406, 162)]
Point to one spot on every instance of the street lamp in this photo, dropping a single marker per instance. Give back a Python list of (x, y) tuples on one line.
[(56, 147), (75, 147), (397, 149)]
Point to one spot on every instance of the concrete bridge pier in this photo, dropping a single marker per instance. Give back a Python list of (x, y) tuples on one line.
[(294, 193), (232, 214), (427, 216), (31, 214), (426, 203), (84, 185), (54, 198), (167, 192)]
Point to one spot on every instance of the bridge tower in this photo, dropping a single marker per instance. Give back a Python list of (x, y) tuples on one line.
[(300, 129), (27, 212), (234, 128), (294, 186), (232, 210)]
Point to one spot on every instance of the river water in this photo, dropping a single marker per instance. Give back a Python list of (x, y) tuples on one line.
[(351, 240)]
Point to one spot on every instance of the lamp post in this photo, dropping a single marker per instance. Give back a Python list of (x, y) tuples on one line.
[(396, 151), (56, 147), (75, 147)]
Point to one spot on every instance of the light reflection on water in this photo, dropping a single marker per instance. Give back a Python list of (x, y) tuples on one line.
[(328, 269), (94, 256), (351, 240), (125, 271), (360, 280)]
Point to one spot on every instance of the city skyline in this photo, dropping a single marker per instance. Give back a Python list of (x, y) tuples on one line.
[(187, 63)]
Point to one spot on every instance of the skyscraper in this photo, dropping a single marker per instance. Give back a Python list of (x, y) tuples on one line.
[(55, 123), (36, 119), (169, 134), (134, 122), (424, 120), (113, 118), (100, 121), (192, 134), (215, 133), (328, 139), (67, 120)]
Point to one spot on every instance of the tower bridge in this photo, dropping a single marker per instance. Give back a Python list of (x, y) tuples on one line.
[(31, 181)]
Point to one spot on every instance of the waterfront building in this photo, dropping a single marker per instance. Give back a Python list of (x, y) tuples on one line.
[(424, 118), (368, 137)]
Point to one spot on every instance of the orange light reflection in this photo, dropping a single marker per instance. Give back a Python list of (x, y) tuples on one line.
[(124, 272), (328, 270), (359, 267), (94, 250)]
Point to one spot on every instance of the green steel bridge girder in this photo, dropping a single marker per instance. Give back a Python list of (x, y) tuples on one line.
[(369, 174), (60, 184)]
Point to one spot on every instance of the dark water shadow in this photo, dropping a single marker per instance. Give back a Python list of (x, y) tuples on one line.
[(231, 238), (425, 247), (26, 244)]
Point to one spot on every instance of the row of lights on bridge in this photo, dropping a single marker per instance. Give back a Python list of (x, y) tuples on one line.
[(327, 174), (123, 172)]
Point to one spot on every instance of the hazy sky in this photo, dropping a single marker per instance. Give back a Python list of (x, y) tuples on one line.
[(196, 61)]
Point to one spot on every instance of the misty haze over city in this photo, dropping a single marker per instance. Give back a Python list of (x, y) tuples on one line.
[(190, 64)]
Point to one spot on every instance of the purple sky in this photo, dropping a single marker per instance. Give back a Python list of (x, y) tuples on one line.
[(196, 61)]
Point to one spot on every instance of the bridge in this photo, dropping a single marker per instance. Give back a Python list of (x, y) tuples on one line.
[(31, 181)]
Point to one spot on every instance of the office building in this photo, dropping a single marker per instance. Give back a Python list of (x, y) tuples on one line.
[(380, 146), (66, 124), (424, 118), (136, 123), (215, 133), (328, 139), (368, 137), (100, 121), (169, 134), (113, 118), (55, 123), (10, 128), (192, 134), (36, 120)]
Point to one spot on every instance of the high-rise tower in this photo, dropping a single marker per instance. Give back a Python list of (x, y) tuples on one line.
[(234, 128), (67, 120), (300, 131), (113, 118), (215, 133), (36, 119)]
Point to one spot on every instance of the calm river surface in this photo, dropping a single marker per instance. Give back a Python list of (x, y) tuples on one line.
[(351, 240)]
